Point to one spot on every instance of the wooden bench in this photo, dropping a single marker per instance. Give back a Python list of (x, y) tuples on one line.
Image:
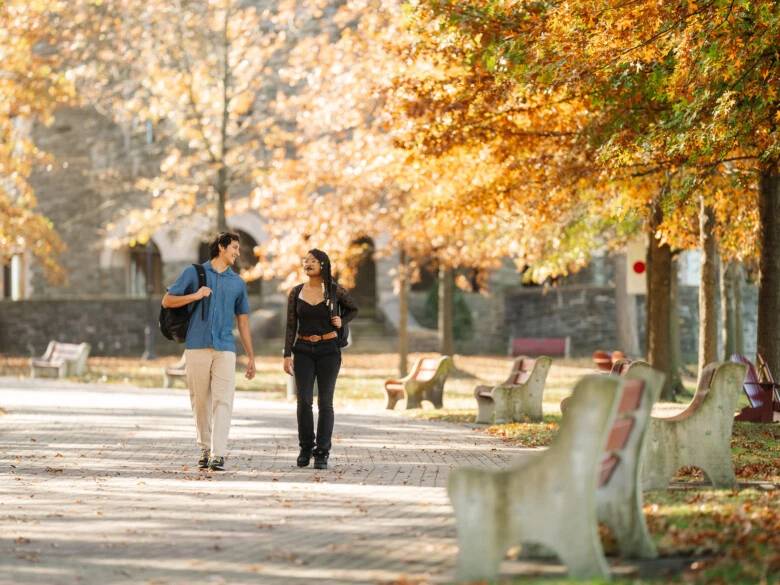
[(759, 393), (424, 382), (539, 346), (765, 376), (175, 372), (520, 395), (590, 473), (62, 359), (700, 435)]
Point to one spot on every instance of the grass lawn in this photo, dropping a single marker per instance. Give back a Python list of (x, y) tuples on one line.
[(737, 532)]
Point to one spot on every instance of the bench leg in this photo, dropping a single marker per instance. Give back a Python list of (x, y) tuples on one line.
[(485, 404), (413, 400), (720, 473), (526, 403), (435, 395), (625, 517), (392, 399), (501, 404), (584, 559), (480, 525)]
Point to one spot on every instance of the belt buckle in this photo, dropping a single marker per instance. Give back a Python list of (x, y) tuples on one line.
[(315, 338)]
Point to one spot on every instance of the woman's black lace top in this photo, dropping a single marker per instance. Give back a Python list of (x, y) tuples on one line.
[(308, 319)]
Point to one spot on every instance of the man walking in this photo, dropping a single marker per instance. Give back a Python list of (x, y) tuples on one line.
[(210, 348)]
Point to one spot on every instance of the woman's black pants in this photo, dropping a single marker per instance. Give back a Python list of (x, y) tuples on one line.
[(320, 360)]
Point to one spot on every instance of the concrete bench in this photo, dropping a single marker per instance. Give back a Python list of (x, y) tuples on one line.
[(519, 396), (62, 359), (700, 435), (424, 382), (590, 473), (539, 346), (621, 367), (604, 360), (175, 372)]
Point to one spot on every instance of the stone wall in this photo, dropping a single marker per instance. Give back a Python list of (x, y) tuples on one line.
[(113, 327), (584, 313)]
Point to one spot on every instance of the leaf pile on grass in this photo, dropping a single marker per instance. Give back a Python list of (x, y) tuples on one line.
[(528, 434), (451, 415), (755, 451), (738, 530)]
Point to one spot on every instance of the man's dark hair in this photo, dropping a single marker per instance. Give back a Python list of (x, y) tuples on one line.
[(221, 239)]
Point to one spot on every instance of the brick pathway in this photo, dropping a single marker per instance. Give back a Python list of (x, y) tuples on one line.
[(99, 486)]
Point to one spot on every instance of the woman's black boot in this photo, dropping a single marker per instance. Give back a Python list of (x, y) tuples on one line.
[(320, 459), (303, 458)]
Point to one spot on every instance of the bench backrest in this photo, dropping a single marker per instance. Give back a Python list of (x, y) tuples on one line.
[(706, 378), (620, 367), (65, 351), (764, 373), (522, 368), (426, 369), (623, 424), (752, 388)]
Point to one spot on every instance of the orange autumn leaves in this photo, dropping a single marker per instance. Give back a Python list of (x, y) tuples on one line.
[(30, 89)]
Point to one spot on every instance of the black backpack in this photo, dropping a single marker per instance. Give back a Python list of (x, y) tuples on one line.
[(175, 322)]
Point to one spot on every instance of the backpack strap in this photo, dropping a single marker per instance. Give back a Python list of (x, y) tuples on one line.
[(202, 282)]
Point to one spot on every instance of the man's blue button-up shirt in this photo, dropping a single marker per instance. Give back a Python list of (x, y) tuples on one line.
[(228, 298)]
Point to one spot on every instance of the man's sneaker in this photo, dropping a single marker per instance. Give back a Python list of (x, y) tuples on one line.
[(304, 457), (217, 464), (203, 462), (320, 459)]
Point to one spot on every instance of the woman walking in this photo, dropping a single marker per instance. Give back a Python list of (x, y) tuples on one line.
[(312, 352)]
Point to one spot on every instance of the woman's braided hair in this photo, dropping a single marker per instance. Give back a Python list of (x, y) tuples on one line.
[(327, 277)]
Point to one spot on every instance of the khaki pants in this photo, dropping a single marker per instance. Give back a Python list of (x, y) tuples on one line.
[(211, 378)]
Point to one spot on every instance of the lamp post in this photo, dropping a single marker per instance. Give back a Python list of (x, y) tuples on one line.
[(150, 324)]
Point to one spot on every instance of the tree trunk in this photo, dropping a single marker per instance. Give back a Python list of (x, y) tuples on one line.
[(659, 266), (675, 348), (739, 337), (446, 330), (221, 203), (768, 343), (625, 311), (708, 310), (222, 173), (728, 329), (403, 311)]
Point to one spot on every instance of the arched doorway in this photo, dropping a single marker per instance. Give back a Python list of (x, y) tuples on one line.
[(364, 292), (145, 266)]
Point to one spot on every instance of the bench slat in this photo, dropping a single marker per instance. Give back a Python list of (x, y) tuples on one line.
[(522, 377), (608, 466), (632, 396), (618, 436)]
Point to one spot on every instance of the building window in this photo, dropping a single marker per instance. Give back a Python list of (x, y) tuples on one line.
[(13, 278), (140, 258)]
